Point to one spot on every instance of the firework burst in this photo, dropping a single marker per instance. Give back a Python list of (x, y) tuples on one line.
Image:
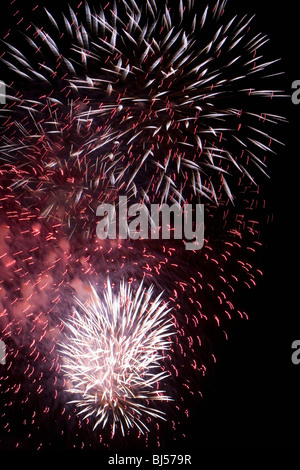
[(170, 92), (113, 354)]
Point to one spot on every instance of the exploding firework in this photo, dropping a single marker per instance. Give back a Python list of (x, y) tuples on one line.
[(160, 103), (49, 171), (113, 353), (168, 95)]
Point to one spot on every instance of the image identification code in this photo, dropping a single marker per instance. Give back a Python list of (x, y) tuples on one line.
[(159, 460)]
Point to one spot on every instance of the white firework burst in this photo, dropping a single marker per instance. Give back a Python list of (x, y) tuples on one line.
[(113, 353), (179, 96)]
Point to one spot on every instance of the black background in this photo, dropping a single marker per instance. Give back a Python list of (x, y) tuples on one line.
[(252, 401)]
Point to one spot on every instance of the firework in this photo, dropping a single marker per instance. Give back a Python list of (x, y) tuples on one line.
[(170, 93), (43, 272), (157, 102), (113, 353), (49, 171)]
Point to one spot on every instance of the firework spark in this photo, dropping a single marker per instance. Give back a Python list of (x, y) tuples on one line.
[(49, 169), (113, 352)]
